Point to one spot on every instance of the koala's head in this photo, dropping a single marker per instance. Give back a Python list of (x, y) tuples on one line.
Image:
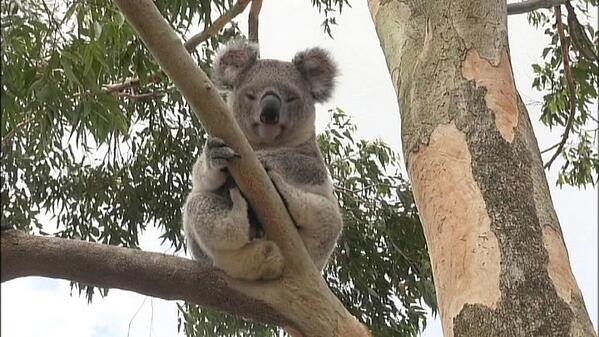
[(273, 101)]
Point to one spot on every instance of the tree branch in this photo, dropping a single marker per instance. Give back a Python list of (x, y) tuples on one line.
[(300, 298), (571, 85), (152, 274), (190, 44), (253, 23), (531, 5), (217, 25)]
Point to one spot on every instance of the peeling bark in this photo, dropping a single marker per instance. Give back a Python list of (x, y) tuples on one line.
[(501, 90), (499, 261), (464, 251)]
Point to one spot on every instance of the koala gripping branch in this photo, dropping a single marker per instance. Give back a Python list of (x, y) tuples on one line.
[(315, 310), (300, 300)]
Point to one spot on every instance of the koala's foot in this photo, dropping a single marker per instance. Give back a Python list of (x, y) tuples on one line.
[(258, 260), (218, 153)]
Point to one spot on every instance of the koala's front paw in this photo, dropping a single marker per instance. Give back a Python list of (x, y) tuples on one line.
[(218, 153)]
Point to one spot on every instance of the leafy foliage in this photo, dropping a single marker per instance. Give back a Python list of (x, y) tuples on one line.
[(92, 161), (581, 157), (329, 8), (102, 165), (382, 231)]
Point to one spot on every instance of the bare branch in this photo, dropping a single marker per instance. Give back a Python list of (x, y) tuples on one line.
[(253, 20), (153, 274), (550, 148), (118, 87), (190, 44), (141, 97), (314, 310), (531, 5), (570, 84), (217, 25)]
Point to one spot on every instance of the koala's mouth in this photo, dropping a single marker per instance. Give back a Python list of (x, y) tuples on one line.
[(268, 132)]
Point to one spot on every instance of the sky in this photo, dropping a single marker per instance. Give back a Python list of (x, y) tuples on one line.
[(34, 306)]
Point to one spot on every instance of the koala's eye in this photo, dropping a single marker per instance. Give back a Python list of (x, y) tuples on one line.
[(251, 97), (291, 99)]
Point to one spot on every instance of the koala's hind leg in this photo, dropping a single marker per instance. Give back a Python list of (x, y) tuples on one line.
[(317, 217), (223, 233), (260, 259)]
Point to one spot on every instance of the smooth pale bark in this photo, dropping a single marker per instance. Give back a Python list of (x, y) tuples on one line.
[(299, 300), (499, 260)]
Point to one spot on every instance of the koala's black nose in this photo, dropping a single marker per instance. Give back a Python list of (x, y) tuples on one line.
[(271, 105)]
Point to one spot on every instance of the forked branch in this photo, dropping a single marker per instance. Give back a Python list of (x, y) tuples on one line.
[(217, 25), (190, 44), (315, 311), (153, 274)]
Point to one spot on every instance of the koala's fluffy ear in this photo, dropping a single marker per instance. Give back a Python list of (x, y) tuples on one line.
[(232, 60), (317, 67)]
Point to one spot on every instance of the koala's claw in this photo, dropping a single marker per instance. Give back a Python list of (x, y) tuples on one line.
[(218, 153)]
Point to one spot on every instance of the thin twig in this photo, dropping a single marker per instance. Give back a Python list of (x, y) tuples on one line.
[(126, 84), (141, 97), (190, 45), (135, 314), (12, 132), (253, 23), (550, 148), (570, 84), (531, 5)]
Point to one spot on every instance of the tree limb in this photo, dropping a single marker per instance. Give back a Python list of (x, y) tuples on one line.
[(531, 5), (300, 298), (571, 85), (217, 25), (153, 274), (190, 44), (253, 23)]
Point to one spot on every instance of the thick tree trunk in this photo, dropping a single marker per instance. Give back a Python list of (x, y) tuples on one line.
[(499, 260)]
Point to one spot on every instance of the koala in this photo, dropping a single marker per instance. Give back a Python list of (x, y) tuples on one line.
[(273, 102)]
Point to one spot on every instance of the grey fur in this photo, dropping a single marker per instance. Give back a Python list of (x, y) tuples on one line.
[(216, 220)]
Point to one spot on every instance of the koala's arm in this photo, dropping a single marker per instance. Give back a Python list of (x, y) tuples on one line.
[(316, 214), (217, 226), (216, 223), (209, 172)]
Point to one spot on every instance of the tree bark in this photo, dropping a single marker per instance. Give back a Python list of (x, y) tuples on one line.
[(153, 274), (300, 299), (499, 260)]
